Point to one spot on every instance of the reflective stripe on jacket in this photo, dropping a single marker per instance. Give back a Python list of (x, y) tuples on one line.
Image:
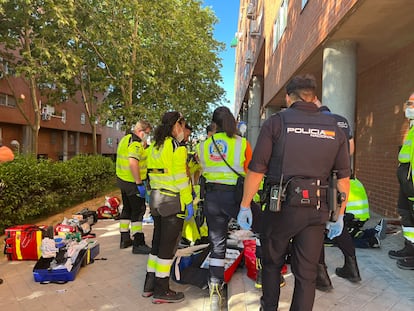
[(215, 169), (358, 201), (406, 152), (130, 146), (167, 169)]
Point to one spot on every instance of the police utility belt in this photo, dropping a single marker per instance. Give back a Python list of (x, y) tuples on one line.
[(297, 192)]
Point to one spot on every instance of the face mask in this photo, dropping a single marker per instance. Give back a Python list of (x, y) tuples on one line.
[(409, 113), (145, 137), (180, 137)]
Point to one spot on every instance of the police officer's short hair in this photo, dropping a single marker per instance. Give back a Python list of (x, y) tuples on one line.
[(301, 83)]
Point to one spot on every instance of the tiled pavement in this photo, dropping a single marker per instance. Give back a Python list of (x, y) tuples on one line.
[(384, 287), (116, 283)]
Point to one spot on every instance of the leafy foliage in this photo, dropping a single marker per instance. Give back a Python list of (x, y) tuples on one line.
[(146, 57), (40, 187)]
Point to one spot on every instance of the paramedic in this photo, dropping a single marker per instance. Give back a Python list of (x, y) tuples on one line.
[(299, 146), (131, 173), (170, 197), (405, 256), (219, 202)]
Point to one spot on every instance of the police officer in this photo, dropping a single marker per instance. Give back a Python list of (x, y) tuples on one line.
[(297, 149), (170, 197), (344, 241), (219, 202), (405, 256), (131, 173)]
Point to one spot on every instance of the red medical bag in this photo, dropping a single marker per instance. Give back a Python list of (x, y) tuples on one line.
[(106, 212), (23, 242)]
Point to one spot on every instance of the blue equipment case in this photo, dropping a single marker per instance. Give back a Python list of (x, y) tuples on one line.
[(42, 272)]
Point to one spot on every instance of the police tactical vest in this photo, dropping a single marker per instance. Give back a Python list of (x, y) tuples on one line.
[(310, 143)]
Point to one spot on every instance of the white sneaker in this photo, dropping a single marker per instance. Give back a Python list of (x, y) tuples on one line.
[(381, 229)]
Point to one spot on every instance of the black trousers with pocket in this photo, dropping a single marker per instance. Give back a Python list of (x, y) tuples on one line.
[(220, 206), (305, 227)]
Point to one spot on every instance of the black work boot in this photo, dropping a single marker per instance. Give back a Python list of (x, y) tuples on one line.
[(125, 240), (149, 285), (217, 296), (163, 293), (406, 263), (350, 270), (139, 246), (406, 253), (323, 282)]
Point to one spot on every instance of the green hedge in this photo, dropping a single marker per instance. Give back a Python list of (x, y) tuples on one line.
[(34, 188)]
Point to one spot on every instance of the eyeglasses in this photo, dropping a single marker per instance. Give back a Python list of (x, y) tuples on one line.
[(409, 103)]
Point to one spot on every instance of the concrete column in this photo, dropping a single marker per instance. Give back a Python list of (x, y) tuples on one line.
[(65, 146), (339, 78), (254, 104)]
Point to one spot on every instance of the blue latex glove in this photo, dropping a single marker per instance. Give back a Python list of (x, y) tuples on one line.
[(141, 190), (245, 218), (190, 211), (335, 228)]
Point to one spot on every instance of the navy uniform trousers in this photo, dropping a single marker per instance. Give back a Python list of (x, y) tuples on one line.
[(220, 207), (305, 227)]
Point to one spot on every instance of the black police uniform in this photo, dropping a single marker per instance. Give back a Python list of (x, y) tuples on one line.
[(312, 146), (344, 240)]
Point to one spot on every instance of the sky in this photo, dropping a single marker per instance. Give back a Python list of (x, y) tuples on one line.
[(227, 12)]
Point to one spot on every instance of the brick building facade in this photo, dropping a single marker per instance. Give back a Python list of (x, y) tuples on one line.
[(360, 51), (64, 129)]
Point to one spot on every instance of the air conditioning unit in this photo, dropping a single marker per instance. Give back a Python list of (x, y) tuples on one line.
[(254, 28), (251, 10), (249, 57), (46, 116)]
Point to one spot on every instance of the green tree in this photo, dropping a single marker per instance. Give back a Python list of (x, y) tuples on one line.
[(25, 31), (158, 55)]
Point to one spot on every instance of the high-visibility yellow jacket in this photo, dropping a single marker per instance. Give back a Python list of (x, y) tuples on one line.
[(407, 150), (167, 169), (215, 169), (130, 146), (358, 201)]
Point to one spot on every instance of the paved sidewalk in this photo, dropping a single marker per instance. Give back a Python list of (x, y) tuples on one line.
[(112, 284), (116, 283), (384, 287)]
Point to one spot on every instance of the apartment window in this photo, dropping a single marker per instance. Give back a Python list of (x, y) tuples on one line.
[(280, 24), (82, 118), (304, 2), (7, 100), (109, 141)]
